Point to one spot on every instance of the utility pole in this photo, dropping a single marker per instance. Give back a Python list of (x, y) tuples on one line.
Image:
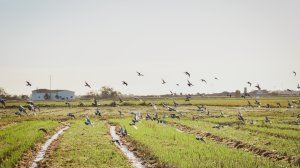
[(50, 86)]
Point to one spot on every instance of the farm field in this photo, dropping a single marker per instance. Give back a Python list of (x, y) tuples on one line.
[(214, 137)]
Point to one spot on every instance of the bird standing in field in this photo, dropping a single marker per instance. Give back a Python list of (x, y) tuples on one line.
[(218, 126), (163, 81), (120, 99), (98, 113), (139, 73), (124, 83), (189, 83), (188, 97), (241, 118), (87, 121), (188, 74), (28, 83), (278, 104), (250, 84), (175, 104), (199, 138), (154, 106), (71, 115), (267, 120), (2, 101), (87, 85)]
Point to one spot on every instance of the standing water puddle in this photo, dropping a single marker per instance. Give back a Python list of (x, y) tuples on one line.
[(135, 161), (40, 156)]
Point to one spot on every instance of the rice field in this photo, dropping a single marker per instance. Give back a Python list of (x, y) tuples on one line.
[(171, 143)]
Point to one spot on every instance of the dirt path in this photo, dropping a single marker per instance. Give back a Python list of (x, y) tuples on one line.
[(36, 155), (136, 162), (147, 159)]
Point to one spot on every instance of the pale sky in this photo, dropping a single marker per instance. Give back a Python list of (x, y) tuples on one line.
[(106, 41)]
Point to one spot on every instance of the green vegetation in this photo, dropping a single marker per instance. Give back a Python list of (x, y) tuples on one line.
[(183, 150), (17, 139), (88, 146), (283, 146)]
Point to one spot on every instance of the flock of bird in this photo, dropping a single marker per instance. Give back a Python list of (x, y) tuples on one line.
[(137, 116)]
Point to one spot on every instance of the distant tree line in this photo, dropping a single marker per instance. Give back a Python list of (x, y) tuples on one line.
[(5, 95), (105, 93)]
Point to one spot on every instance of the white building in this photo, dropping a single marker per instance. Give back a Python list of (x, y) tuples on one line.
[(45, 94)]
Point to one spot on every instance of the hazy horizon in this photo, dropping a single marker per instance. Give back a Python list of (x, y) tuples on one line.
[(106, 42)]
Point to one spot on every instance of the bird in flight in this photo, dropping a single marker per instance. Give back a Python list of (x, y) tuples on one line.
[(294, 72), (124, 83), (87, 85), (258, 87), (298, 87), (203, 80), (187, 73), (250, 84), (163, 81), (177, 84), (216, 78), (28, 84), (189, 83), (139, 73)]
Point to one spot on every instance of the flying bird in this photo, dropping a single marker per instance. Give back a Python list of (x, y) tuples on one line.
[(294, 72), (298, 87), (188, 74), (258, 87), (177, 84), (87, 85), (163, 81), (189, 83), (28, 84), (124, 83), (289, 90), (250, 84), (203, 80), (216, 78), (139, 73)]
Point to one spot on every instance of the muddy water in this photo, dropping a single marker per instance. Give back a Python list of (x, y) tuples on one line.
[(132, 158), (40, 156)]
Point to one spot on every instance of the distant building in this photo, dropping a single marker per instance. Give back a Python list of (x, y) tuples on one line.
[(45, 94)]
